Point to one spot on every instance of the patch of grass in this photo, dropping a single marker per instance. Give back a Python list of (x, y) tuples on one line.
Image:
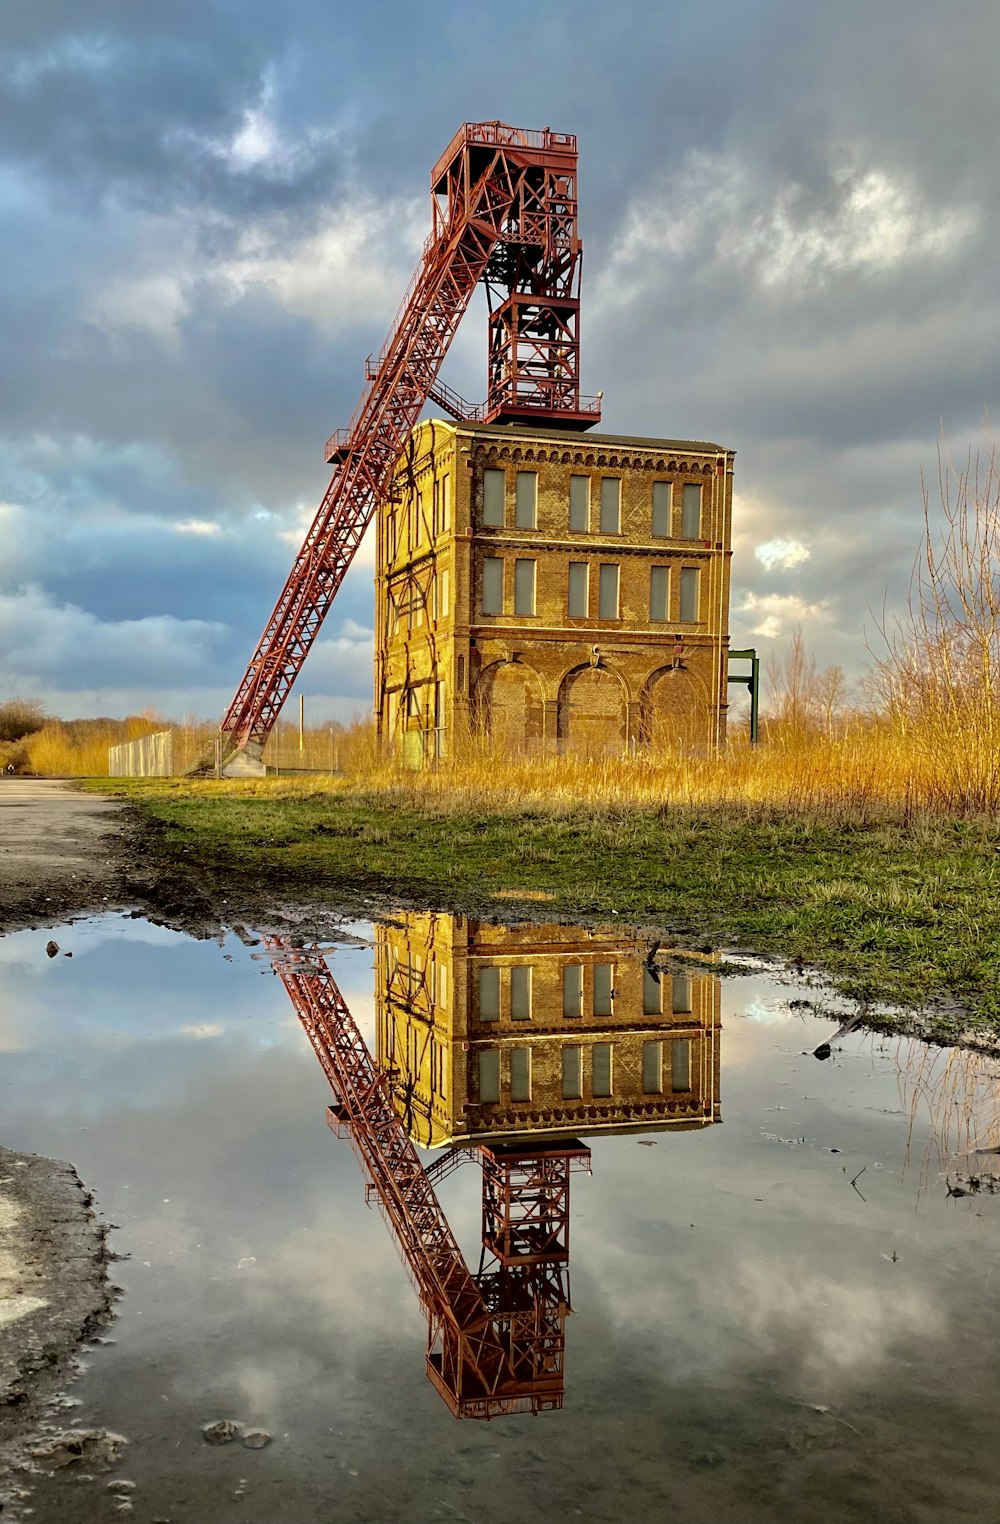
[(896, 909)]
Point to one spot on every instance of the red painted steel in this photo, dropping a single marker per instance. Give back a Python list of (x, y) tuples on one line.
[(504, 212), (495, 1341)]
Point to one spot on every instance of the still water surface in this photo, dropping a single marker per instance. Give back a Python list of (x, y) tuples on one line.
[(753, 1337)]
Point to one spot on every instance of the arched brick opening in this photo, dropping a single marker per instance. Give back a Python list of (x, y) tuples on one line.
[(591, 711), (508, 705), (675, 709)]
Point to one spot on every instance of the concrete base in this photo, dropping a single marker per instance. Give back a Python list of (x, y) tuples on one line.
[(243, 765)]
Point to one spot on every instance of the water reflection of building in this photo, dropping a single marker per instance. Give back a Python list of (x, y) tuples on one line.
[(487, 1030)]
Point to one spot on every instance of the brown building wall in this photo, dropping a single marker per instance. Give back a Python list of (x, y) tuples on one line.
[(445, 995), (450, 653)]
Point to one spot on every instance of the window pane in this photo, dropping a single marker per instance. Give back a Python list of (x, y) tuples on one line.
[(489, 1075), (680, 1063), (579, 584), (608, 593), (492, 585), (489, 994), (691, 511), (573, 989), (524, 587), (572, 1073), (689, 593), (681, 993), (520, 1074), (579, 503), (526, 498), (602, 1068), (520, 993), (445, 502), (444, 593), (603, 981), (659, 592), (611, 504), (661, 509), (652, 994), (494, 486), (652, 1068)]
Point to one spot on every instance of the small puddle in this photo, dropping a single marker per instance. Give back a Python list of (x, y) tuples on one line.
[(731, 1281)]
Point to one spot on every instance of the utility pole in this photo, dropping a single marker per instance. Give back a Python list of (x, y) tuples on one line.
[(302, 726)]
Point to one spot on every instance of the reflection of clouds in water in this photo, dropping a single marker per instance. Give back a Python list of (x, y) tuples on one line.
[(767, 1012), (820, 1331), (198, 1031)]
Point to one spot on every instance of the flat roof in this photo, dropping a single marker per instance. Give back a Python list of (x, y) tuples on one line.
[(572, 437)]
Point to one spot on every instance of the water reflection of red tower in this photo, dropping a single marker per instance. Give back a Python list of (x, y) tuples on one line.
[(496, 1340)]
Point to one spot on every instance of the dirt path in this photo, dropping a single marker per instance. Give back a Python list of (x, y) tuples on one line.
[(57, 850)]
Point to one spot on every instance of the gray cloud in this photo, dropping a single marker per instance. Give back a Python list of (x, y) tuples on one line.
[(210, 214)]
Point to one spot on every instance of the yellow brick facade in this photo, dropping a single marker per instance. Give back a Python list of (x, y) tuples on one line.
[(553, 589), (488, 1030)]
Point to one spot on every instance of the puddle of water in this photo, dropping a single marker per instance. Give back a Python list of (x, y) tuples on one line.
[(778, 1310)]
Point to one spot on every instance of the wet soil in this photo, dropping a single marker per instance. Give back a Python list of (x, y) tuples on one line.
[(54, 1289)]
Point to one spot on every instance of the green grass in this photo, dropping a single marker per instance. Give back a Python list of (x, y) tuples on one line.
[(894, 912)]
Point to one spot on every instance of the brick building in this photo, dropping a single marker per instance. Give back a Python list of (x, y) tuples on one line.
[(552, 588), (488, 1030)]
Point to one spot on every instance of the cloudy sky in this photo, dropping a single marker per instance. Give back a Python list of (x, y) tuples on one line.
[(210, 210)]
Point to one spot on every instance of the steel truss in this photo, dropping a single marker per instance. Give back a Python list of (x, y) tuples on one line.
[(495, 1341), (504, 212)]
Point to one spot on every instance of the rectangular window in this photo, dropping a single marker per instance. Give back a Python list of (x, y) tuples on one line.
[(494, 488), (652, 1068), (413, 703), (572, 1073), (680, 994), (442, 972), (579, 504), (691, 511), (526, 499), (689, 593), (489, 1075), (611, 505), (652, 994), (662, 498), (659, 592), (520, 1074), (520, 993), (604, 974), (579, 590), (524, 588), (489, 994), (680, 1064), (445, 503), (444, 595), (573, 989), (607, 603), (492, 585), (601, 1052)]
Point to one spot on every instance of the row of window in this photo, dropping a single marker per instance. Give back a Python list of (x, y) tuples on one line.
[(429, 516), (579, 602), (580, 510), (656, 1075), (602, 992), (407, 605)]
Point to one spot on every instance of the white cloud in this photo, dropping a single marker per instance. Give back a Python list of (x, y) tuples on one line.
[(782, 553), (771, 614), (716, 208), (205, 527), (202, 1030)]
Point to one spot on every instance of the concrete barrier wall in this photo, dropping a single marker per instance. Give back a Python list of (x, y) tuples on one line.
[(149, 757)]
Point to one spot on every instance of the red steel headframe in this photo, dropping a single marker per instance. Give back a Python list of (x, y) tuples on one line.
[(505, 212)]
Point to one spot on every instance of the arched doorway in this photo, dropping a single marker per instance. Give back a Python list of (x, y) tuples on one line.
[(592, 712), (509, 706), (675, 709)]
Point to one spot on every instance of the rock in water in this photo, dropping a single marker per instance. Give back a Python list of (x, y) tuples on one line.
[(222, 1432), (256, 1439), (52, 949)]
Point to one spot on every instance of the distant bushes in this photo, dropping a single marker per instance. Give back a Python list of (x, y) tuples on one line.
[(19, 718)]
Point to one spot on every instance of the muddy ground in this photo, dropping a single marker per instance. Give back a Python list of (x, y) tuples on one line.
[(64, 854), (54, 1294)]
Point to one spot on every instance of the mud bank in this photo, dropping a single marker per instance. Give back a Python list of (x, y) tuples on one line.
[(54, 1286)]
